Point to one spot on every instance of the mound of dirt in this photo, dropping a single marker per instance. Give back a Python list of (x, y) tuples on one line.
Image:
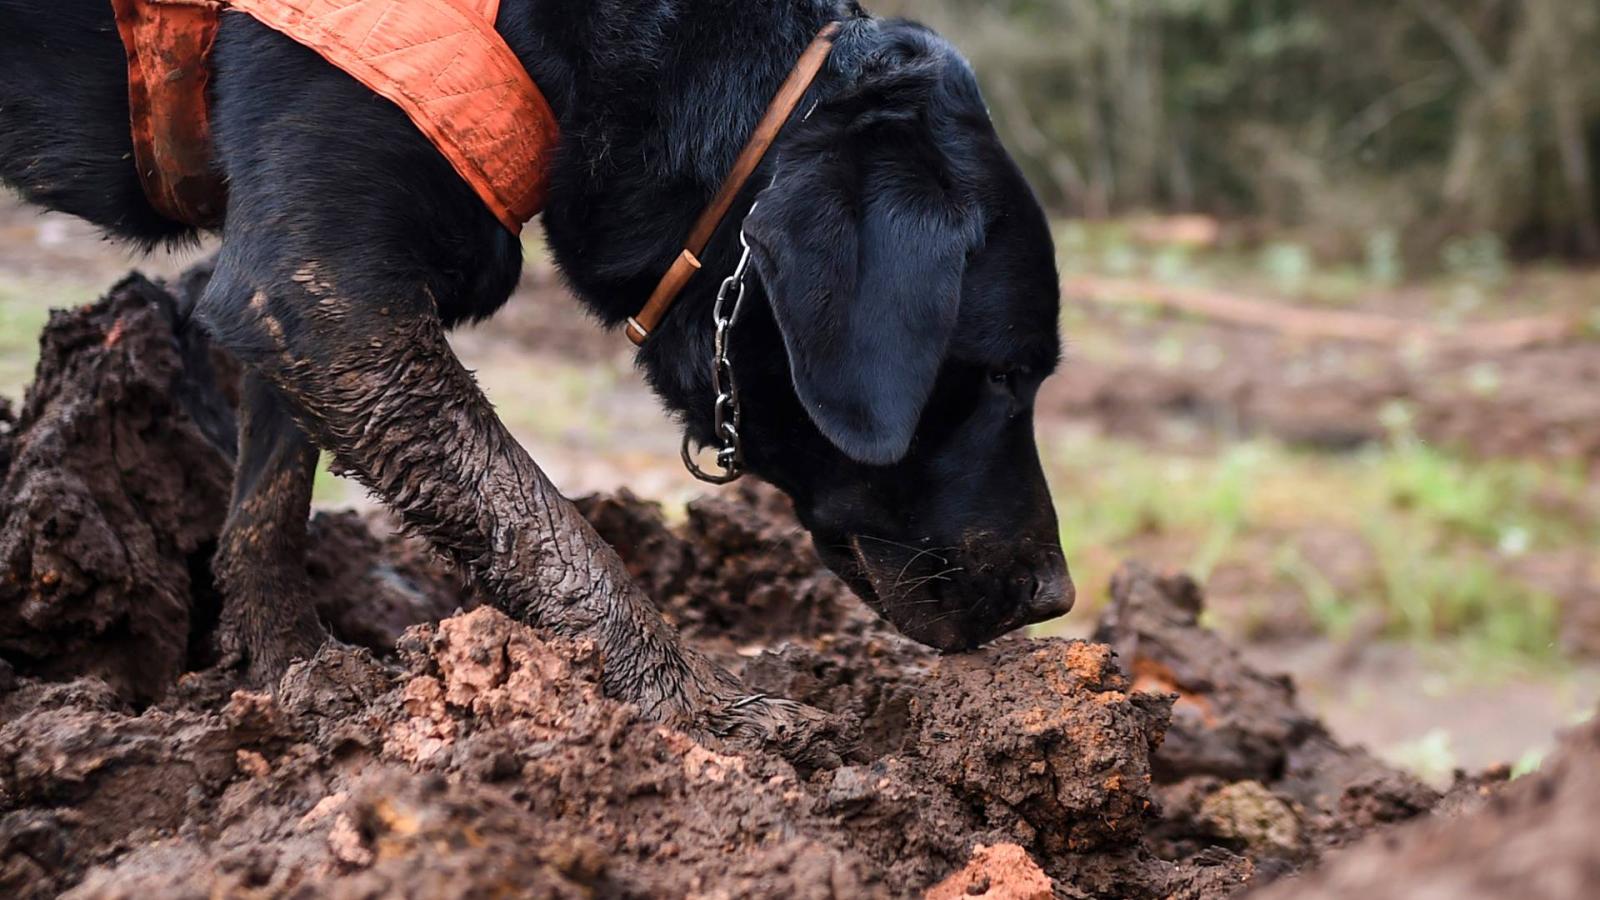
[(1535, 840), (1243, 765), (474, 757), (114, 482), (487, 758), (109, 503), (740, 572)]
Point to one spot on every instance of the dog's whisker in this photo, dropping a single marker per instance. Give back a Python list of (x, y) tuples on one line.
[(883, 540), (931, 551), (937, 576)]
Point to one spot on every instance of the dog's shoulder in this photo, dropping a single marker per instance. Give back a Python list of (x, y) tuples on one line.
[(318, 164)]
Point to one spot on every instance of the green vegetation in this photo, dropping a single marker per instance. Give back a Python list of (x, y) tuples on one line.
[(1439, 536), (1464, 278), (24, 308)]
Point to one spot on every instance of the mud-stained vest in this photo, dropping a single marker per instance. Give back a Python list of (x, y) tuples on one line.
[(440, 61)]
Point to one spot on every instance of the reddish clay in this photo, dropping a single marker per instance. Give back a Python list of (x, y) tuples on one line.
[(1001, 872)]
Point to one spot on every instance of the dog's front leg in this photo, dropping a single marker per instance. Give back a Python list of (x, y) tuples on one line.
[(381, 389), (268, 619)]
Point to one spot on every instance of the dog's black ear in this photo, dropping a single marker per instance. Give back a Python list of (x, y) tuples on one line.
[(861, 242)]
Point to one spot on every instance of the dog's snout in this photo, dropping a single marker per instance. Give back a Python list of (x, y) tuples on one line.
[(974, 599), (1051, 595)]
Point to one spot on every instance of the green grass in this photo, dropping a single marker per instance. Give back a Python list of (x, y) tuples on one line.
[(24, 310), (1469, 273), (1443, 533), (1494, 501), (551, 400), (1333, 614), (1431, 589)]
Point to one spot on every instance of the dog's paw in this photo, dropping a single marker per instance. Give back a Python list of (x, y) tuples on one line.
[(262, 658), (807, 737)]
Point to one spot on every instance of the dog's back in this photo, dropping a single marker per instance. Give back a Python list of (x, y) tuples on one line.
[(65, 141)]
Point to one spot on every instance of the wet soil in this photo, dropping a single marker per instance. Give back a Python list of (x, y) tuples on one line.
[(109, 501), (114, 484), (1535, 839), (470, 756)]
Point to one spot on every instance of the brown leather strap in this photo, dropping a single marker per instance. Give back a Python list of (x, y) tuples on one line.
[(688, 262)]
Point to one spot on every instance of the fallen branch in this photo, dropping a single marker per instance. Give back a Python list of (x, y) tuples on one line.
[(1506, 335)]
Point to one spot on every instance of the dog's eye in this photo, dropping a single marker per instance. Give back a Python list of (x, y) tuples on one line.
[(1003, 378)]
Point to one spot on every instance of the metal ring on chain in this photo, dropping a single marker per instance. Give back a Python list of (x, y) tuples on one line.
[(729, 476), (727, 415)]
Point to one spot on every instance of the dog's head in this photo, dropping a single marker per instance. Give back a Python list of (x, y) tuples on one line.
[(911, 314)]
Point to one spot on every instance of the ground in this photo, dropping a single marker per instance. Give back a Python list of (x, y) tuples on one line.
[(467, 755), (1414, 510), (1146, 750)]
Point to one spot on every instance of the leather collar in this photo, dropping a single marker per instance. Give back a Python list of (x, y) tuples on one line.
[(783, 105)]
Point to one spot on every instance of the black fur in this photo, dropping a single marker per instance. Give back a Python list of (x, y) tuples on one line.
[(907, 299), (64, 137)]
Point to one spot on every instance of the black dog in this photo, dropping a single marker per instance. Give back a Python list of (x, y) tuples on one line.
[(888, 357)]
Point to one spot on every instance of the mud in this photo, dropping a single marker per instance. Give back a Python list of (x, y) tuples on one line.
[(1534, 840), (473, 757), (1243, 766), (372, 583), (108, 507), (114, 481)]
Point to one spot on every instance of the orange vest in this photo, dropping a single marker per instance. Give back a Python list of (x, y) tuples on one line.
[(440, 61)]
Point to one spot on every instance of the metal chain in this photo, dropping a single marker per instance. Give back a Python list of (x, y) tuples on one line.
[(727, 416)]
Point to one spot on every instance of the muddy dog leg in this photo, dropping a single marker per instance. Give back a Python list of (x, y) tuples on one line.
[(267, 618), (381, 389)]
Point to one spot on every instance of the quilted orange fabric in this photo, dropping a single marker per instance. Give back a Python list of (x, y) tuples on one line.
[(440, 61)]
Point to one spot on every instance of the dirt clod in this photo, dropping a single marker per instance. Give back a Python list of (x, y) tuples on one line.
[(1242, 765), (1001, 872)]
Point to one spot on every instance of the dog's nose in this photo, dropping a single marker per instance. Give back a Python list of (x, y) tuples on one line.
[(1052, 596)]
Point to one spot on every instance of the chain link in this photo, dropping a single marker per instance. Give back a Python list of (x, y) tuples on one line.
[(727, 416)]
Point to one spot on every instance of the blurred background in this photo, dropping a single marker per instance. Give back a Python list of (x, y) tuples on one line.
[(1333, 330)]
